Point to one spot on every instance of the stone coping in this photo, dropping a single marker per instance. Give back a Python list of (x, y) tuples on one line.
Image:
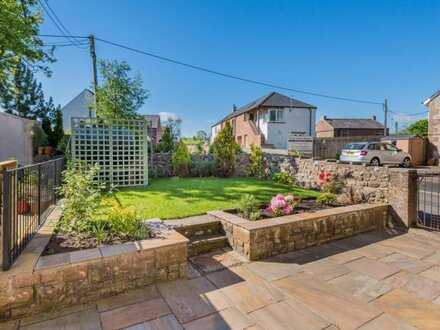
[(31, 260), (258, 224)]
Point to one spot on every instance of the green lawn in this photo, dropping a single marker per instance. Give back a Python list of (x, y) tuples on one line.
[(169, 198), (191, 140)]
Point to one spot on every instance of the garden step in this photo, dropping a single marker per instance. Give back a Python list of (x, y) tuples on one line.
[(197, 226), (206, 243)]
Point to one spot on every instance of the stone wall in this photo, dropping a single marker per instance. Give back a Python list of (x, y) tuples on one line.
[(264, 238), (42, 283)]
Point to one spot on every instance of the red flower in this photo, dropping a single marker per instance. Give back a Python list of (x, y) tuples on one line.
[(321, 183), (327, 180), (328, 174)]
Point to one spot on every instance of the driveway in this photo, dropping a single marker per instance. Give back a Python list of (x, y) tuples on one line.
[(377, 280)]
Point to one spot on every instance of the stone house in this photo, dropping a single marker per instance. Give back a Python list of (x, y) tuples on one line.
[(154, 127), (269, 121), (345, 127), (78, 107), (433, 146)]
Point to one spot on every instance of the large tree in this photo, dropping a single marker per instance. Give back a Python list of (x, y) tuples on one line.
[(22, 95), (119, 96), (419, 127), (172, 121), (19, 27)]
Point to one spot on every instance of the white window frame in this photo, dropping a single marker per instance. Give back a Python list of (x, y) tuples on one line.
[(277, 116)]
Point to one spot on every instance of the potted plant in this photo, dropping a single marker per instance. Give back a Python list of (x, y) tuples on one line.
[(48, 150), (23, 205), (40, 151)]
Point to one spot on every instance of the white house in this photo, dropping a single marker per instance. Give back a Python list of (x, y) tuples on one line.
[(78, 107), (269, 121)]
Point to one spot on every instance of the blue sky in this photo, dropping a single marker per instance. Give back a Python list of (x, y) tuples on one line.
[(368, 50)]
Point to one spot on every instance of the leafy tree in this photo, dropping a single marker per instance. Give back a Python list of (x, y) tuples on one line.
[(19, 39), (202, 135), (120, 96), (181, 160), (224, 152), (174, 124), (167, 144), (256, 162), (419, 127), (22, 95)]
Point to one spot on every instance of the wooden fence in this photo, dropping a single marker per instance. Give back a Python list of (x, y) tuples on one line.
[(330, 148)]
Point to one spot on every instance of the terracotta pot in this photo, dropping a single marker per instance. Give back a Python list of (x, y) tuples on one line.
[(23, 206), (40, 151), (48, 150)]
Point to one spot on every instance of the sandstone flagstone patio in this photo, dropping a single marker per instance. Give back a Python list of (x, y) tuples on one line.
[(377, 280)]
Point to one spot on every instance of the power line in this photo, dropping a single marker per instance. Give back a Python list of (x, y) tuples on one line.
[(56, 24), (234, 76), (409, 114), (61, 36)]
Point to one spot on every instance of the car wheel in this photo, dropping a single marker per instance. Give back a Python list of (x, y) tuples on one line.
[(375, 162), (406, 162)]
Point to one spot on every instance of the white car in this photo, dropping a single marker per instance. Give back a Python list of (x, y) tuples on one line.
[(375, 153)]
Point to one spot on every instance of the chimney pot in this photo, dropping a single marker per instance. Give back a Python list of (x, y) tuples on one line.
[(324, 117), (234, 108), (373, 117)]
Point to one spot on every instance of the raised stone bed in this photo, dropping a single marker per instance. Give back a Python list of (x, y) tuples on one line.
[(264, 238), (38, 283)]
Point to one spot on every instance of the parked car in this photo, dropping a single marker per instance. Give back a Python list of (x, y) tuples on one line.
[(375, 153)]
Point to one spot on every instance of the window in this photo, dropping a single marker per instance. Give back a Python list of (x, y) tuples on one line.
[(276, 116), (378, 133), (374, 146), (343, 132), (389, 147)]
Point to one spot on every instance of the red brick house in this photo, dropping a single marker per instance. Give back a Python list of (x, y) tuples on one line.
[(433, 148), (341, 127)]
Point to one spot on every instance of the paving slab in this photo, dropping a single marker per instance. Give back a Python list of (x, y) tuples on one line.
[(227, 319), (418, 285), (372, 268), (409, 264), (410, 309), (407, 246), (168, 322), (288, 314), (273, 269), (134, 314), (215, 261), (85, 320), (433, 258), (325, 269), (386, 322), (323, 298), (128, 298), (432, 273), (361, 286), (193, 299)]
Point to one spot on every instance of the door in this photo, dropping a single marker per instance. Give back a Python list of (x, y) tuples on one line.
[(392, 154)]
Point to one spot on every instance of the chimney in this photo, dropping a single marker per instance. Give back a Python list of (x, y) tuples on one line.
[(234, 108), (373, 117), (323, 117)]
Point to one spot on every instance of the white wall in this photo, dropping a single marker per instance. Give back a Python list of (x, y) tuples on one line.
[(214, 131), (78, 107), (295, 120), (16, 138)]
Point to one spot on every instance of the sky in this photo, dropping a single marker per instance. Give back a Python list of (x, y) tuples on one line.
[(368, 50)]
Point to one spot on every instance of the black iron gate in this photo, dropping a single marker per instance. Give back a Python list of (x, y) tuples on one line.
[(428, 200)]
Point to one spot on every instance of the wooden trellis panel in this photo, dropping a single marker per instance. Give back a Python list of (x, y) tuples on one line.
[(118, 146)]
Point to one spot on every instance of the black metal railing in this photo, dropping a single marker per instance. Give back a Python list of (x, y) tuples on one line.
[(428, 200), (29, 193)]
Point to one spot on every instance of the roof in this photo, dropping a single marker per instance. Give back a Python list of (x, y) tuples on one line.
[(354, 123), (273, 99), (83, 94), (432, 97), (155, 120), (400, 137)]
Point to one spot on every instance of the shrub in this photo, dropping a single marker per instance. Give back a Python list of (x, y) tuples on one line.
[(201, 168), (181, 159), (224, 152), (249, 208), (39, 138), (326, 198), (81, 196), (327, 182), (281, 205), (282, 177), (354, 197), (125, 222), (256, 162), (167, 144)]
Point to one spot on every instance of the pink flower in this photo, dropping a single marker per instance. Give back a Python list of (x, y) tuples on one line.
[(289, 198), (288, 209)]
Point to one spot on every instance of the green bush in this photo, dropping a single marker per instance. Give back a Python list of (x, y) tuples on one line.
[(224, 152), (81, 196), (326, 198), (249, 208), (39, 138), (125, 222), (330, 187), (181, 159), (256, 162), (282, 177), (167, 144), (201, 168)]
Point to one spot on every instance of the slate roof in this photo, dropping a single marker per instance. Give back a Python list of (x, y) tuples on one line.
[(432, 97), (155, 120), (354, 123), (273, 99)]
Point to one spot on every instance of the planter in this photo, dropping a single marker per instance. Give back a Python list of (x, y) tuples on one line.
[(23, 206), (40, 151), (48, 151)]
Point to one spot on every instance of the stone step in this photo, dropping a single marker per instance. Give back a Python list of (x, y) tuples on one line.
[(197, 226), (206, 243)]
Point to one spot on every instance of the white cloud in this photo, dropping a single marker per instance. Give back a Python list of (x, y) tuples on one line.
[(164, 116)]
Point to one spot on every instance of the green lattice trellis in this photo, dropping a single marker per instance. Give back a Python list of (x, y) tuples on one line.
[(118, 146)]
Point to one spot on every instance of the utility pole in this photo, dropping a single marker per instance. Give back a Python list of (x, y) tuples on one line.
[(95, 72), (385, 115), (397, 128)]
